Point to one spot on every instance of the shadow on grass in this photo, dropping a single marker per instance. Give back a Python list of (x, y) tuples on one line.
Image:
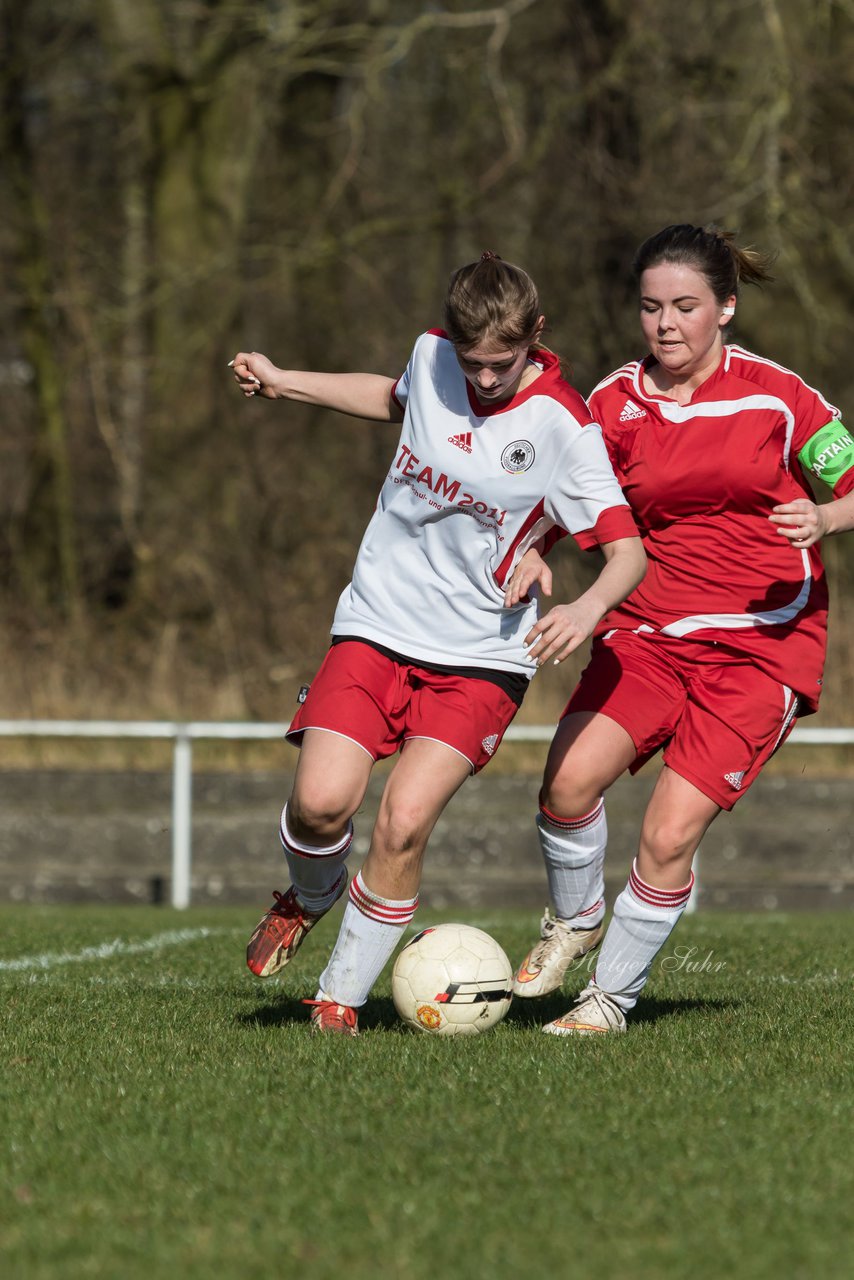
[(649, 1011), (537, 1012), (277, 1012), (285, 1010), (379, 1012)]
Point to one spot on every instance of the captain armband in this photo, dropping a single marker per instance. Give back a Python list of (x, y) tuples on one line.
[(829, 453)]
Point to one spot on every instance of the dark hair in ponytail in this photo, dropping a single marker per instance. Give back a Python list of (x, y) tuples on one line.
[(491, 299), (708, 250)]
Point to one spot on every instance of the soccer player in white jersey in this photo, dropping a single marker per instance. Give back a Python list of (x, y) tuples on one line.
[(721, 646), (496, 452)]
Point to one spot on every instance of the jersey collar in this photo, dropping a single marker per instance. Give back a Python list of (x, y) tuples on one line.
[(699, 393)]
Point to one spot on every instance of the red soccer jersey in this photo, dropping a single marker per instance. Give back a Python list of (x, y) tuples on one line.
[(701, 480)]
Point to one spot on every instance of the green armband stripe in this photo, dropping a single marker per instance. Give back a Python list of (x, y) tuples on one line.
[(829, 453)]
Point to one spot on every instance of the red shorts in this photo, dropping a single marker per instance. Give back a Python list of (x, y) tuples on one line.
[(718, 718), (380, 703)]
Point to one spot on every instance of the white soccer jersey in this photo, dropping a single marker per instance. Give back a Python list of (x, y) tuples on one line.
[(469, 489)]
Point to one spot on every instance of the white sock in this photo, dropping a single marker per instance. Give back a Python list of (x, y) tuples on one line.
[(369, 933), (644, 917), (574, 854), (315, 873)]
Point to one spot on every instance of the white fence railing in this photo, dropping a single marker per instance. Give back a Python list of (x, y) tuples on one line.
[(184, 734)]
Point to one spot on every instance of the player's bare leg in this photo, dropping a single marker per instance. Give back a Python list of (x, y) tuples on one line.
[(417, 792), (384, 894), (588, 753), (677, 817), (647, 910), (331, 779), (316, 831)]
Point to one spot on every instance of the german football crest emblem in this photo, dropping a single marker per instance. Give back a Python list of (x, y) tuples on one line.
[(518, 457)]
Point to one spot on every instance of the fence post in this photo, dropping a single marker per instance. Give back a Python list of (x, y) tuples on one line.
[(182, 817)]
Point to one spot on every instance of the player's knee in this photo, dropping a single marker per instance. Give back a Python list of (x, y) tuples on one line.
[(317, 811), (400, 831), (668, 841), (569, 795)]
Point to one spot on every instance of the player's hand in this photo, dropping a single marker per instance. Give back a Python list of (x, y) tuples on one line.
[(802, 522), (530, 569), (254, 374), (560, 632)]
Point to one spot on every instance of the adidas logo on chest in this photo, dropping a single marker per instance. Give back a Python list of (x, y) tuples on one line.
[(462, 441), (631, 410)]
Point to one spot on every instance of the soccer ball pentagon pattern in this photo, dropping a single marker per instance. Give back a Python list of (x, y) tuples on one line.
[(452, 980)]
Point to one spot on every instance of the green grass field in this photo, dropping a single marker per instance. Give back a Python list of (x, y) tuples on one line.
[(165, 1114)]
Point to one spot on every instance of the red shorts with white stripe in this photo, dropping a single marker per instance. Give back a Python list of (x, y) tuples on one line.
[(381, 703), (718, 717)]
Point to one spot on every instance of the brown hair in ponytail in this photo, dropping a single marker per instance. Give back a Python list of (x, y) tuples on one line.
[(491, 299), (712, 252)]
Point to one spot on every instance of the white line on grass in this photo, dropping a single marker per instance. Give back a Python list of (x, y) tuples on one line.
[(106, 950), (815, 979)]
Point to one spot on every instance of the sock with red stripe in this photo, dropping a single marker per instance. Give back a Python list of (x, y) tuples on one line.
[(644, 917), (369, 933), (574, 854), (315, 873)]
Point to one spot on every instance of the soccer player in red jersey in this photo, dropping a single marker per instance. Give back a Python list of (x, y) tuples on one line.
[(721, 647), (427, 657)]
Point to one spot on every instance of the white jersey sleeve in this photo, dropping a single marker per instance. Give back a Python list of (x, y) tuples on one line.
[(585, 497)]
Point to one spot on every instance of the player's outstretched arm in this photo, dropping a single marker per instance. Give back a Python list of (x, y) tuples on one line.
[(567, 626), (361, 395)]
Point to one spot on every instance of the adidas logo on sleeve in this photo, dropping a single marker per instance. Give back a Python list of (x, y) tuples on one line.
[(631, 410)]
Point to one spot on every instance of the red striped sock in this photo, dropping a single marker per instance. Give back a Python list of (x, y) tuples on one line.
[(369, 933), (574, 853), (315, 872), (668, 899), (644, 918), (383, 910)]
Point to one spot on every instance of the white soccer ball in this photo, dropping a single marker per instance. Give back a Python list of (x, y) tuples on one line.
[(452, 980)]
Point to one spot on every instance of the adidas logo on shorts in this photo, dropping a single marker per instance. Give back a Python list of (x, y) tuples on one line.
[(735, 779), (489, 744), (631, 410)]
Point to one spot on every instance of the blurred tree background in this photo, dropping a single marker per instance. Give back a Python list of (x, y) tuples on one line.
[(181, 179)]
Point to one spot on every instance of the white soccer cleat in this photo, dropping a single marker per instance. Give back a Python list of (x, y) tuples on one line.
[(592, 1014), (544, 966)]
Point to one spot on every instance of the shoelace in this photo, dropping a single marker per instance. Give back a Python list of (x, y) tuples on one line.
[(548, 927), (342, 1017), (599, 998), (548, 924), (298, 908), (277, 908), (292, 909)]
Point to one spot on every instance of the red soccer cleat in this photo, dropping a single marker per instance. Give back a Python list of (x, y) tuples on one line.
[(278, 936), (340, 1019)]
